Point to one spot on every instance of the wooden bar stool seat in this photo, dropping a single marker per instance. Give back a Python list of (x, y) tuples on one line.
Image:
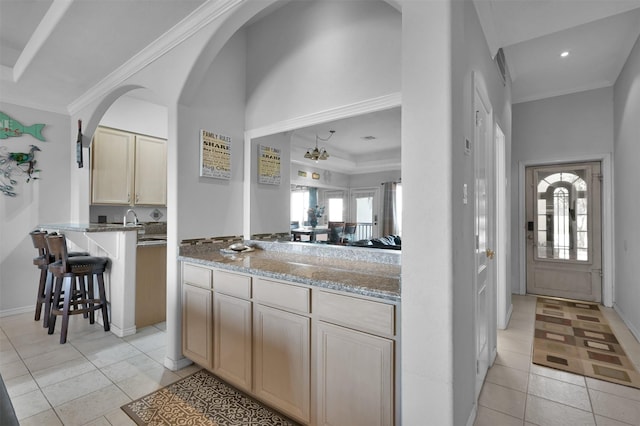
[(67, 300), (45, 283)]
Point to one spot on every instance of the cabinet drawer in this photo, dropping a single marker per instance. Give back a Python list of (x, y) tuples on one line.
[(286, 296), (366, 315), (196, 275), (232, 284)]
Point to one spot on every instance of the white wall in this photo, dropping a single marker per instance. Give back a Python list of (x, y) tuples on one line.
[(328, 178), (313, 56), (627, 201), (206, 206), (270, 204), (563, 127), (471, 57), (41, 201), (137, 116)]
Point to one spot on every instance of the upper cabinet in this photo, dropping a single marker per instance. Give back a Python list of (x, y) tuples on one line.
[(128, 169)]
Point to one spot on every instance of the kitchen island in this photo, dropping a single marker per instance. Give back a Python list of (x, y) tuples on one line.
[(118, 243), (311, 330)]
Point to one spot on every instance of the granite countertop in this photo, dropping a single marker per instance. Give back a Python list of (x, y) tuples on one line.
[(359, 276), (90, 227)]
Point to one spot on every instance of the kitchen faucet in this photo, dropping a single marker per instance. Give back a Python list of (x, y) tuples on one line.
[(126, 215)]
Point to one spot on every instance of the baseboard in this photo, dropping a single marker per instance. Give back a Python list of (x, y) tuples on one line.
[(631, 327), (16, 311), (472, 416), (177, 364)]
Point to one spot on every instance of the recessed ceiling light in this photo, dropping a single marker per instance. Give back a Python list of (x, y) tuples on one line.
[(368, 138), (564, 54)]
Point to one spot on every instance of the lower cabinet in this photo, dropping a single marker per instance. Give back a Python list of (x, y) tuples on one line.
[(257, 333), (282, 372), (232, 340), (197, 325), (355, 377)]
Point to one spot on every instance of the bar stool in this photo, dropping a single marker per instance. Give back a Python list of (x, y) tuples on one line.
[(45, 283), (67, 270)]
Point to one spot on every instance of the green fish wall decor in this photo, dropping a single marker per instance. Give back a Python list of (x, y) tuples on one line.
[(10, 128)]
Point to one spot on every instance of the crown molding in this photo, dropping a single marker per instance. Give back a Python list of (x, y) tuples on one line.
[(56, 109), (358, 108), (194, 22), (554, 93)]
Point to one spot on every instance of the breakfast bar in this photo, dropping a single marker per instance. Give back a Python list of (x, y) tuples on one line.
[(118, 243)]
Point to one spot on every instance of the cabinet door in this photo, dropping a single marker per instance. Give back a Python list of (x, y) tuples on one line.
[(150, 171), (197, 325), (232, 340), (355, 377), (112, 154), (282, 360)]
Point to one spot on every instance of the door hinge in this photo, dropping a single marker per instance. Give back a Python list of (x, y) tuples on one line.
[(599, 271), (477, 118), (477, 242), (477, 367), (598, 176)]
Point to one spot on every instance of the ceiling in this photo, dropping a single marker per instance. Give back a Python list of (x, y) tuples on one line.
[(52, 52), (598, 34)]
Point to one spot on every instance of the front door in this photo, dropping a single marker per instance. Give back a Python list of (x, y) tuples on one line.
[(484, 226), (564, 231)]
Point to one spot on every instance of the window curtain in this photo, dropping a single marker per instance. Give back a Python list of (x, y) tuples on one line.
[(389, 212)]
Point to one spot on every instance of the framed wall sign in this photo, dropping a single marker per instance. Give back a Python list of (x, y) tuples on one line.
[(215, 155), (268, 165)]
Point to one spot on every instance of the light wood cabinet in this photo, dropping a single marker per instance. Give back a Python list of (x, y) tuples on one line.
[(355, 377), (150, 180), (197, 325), (112, 161), (256, 333), (151, 285), (232, 340), (197, 314), (282, 360), (128, 169)]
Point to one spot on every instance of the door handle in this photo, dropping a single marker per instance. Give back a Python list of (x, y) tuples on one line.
[(490, 253)]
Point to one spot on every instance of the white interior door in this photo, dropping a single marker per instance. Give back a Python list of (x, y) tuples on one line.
[(484, 202), (563, 211)]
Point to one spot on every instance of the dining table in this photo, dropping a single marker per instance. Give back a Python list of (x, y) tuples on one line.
[(312, 232)]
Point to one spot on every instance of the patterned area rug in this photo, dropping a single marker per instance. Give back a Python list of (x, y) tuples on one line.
[(202, 399), (574, 336)]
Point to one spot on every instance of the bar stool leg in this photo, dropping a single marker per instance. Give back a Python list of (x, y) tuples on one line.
[(41, 293), (103, 301), (68, 282), (55, 303), (48, 298)]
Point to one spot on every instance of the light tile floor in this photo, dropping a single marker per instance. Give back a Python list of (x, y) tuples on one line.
[(86, 380), (517, 392)]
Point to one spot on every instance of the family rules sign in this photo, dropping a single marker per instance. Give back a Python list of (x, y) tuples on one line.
[(215, 155)]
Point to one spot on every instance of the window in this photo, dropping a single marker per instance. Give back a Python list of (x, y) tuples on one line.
[(299, 206), (399, 207), (562, 216), (335, 206)]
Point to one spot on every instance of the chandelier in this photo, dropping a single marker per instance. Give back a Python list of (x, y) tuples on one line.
[(316, 153)]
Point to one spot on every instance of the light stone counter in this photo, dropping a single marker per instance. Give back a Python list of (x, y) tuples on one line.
[(364, 271)]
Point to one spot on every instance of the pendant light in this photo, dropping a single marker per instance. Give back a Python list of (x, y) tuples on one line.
[(316, 153)]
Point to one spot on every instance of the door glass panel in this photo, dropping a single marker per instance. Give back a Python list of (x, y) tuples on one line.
[(561, 212)]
